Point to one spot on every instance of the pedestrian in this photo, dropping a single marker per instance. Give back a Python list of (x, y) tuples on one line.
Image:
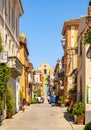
[(48, 98), (68, 102), (23, 104)]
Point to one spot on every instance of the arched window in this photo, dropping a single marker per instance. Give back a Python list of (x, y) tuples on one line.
[(45, 71)]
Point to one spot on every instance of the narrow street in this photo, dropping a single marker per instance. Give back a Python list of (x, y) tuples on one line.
[(39, 117)]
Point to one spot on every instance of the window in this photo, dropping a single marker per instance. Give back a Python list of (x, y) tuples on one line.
[(6, 7), (9, 10), (45, 71), (9, 44), (81, 47), (2, 6), (12, 18), (12, 48), (6, 40), (72, 35), (17, 27)]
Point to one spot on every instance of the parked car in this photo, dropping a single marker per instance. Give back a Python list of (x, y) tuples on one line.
[(40, 99), (53, 100)]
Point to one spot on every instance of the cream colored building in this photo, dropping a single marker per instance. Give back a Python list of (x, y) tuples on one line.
[(10, 13), (84, 65), (37, 80), (46, 69), (74, 31), (47, 74)]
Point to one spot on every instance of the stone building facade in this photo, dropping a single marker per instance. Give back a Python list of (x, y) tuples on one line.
[(10, 13)]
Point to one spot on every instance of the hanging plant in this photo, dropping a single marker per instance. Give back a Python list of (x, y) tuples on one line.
[(87, 36)]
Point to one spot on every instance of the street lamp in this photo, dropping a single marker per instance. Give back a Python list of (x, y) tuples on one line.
[(58, 61), (61, 86), (63, 41)]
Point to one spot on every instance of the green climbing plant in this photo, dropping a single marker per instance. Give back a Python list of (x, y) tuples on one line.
[(4, 77)]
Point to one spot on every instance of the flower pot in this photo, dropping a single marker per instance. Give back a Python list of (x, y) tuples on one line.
[(9, 115), (75, 118), (20, 108), (80, 119)]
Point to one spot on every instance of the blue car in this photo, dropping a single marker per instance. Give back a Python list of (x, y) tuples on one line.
[(53, 100)]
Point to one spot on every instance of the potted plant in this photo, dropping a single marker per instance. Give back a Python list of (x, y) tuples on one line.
[(33, 101), (87, 36), (62, 101), (79, 112), (88, 126), (10, 102)]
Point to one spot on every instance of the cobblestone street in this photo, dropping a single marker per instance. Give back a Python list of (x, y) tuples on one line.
[(40, 117)]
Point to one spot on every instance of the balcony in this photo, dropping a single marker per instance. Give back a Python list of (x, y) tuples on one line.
[(15, 66), (55, 80), (61, 73), (27, 66)]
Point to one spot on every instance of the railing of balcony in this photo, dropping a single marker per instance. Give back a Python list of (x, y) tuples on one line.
[(14, 63)]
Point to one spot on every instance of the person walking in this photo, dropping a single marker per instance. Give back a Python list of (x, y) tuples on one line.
[(23, 104)]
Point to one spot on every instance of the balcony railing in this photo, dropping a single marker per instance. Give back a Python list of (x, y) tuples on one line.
[(15, 66), (61, 73)]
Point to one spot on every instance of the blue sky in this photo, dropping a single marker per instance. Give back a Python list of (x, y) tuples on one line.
[(42, 23)]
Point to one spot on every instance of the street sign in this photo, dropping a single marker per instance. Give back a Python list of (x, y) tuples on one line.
[(3, 57)]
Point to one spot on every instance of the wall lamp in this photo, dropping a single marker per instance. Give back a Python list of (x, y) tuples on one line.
[(58, 61), (63, 41)]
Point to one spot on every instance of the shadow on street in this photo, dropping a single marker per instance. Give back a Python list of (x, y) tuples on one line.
[(68, 118)]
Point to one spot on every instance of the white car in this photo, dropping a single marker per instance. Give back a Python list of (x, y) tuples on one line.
[(39, 99)]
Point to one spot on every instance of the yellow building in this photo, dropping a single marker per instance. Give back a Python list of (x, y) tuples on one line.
[(70, 32), (24, 86)]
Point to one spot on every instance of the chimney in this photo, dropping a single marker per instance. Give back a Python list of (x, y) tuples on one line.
[(89, 8)]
